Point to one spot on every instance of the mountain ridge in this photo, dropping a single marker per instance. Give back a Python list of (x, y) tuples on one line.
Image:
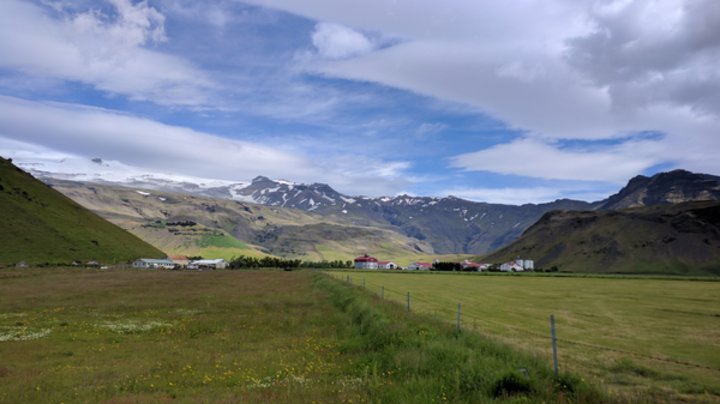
[(681, 238), (448, 224)]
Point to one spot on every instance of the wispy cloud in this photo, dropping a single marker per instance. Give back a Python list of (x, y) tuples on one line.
[(75, 130), (533, 158), (111, 52), (561, 71)]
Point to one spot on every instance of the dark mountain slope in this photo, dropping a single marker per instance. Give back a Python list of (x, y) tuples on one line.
[(679, 239), (41, 225), (670, 187)]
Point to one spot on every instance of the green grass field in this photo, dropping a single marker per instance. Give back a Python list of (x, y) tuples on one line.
[(243, 336), (637, 337), (153, 336)]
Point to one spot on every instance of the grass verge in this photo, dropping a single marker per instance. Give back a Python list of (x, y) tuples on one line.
[(409, 357)]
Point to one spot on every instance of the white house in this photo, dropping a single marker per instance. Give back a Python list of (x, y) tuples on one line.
[(150, 263), (511, 266), (366, 262), (419, 266), (387, 265), (475, 266), (208, 264)]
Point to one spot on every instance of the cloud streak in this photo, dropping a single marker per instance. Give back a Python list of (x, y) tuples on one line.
[(67, 129)]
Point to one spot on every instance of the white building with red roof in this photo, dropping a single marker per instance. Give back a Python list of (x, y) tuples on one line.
[(366, 262), (387, 265)]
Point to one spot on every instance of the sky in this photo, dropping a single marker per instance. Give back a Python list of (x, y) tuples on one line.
[(524, 101)]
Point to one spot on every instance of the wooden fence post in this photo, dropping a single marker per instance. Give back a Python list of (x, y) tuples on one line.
[(554, 346)]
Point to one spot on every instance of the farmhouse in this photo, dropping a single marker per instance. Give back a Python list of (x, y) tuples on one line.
[(419, 266), (366, 262), (387, 265), (150, 263), (208, 264), (475, 266)]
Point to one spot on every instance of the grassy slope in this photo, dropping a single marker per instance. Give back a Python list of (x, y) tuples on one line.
[(676, 320), (677, 239), (42, 225), (258, 230), (241, 336)]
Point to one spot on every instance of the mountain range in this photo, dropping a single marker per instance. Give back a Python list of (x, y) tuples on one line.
[(416, 225)]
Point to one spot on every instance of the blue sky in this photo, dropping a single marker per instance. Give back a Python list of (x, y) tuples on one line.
[(494, 102)]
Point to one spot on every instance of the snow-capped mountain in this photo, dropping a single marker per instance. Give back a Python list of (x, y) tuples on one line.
[(449, 224), (265, 191), (114, 172)]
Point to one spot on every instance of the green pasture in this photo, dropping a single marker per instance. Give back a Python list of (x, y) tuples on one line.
[(244, 336), (156, 336), (646, 337)]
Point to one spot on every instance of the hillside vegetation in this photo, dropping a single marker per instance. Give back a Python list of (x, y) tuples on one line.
[(41, 225), (672, 239)]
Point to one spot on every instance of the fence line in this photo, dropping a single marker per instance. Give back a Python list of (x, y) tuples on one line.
[(370, 287)]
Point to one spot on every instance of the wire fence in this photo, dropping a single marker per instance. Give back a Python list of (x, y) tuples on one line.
[(445, 313)]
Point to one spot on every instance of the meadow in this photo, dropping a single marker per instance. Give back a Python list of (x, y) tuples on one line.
[(78, 335), (636, 337), (71, 335)]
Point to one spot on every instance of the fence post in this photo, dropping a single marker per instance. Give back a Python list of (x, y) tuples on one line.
[(554, 345), (382, 292), (363, 283), (458, 318), (408, 301)]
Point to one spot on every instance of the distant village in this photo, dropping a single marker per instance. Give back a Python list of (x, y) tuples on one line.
[(362, 262), (518, 265), (179, 262)]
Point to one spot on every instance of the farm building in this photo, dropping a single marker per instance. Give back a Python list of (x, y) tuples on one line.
[(511, 266), (180, 260), (208, 264), (519, 265), (366, 262), (387, 265), (475, 266), (528, 265), (150, 263), (419, 266)]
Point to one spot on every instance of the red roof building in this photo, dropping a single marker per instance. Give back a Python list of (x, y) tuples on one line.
[(366, 262)]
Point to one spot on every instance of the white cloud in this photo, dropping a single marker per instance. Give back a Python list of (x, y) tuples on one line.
[(334, 41), (430, 128), (554, 70), (78, 131), (520, 196), (533, 158), (112, 54)]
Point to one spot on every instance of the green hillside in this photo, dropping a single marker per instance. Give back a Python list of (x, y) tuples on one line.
[(681, 239), (40, 225)]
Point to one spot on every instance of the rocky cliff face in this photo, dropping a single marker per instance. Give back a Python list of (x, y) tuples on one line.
[(665, 188)]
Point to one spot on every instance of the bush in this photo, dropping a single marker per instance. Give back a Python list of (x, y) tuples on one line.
[(510, 384)]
